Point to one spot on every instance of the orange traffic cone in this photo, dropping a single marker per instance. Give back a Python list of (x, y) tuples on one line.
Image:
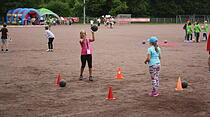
[(179, 84), (110, 96), (58, 80), (119, 74)]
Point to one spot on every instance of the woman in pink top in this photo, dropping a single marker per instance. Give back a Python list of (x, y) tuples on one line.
[(86, 53)]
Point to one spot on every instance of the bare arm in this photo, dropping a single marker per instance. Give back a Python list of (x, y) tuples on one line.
[(147, 59), (93, 37), (159, 56)]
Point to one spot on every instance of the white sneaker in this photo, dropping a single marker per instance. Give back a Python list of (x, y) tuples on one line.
[(48, 50)]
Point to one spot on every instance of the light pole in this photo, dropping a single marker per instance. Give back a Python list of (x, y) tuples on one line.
[(84, 12)]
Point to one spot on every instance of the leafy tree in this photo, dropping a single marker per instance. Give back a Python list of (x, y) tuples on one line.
[(59, 7), (118, 7)]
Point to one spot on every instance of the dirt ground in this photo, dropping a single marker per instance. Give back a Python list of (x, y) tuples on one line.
[(28, 74)]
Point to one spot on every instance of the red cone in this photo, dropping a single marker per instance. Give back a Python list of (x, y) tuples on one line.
[(58, 80), (110, 96), (119, 74)]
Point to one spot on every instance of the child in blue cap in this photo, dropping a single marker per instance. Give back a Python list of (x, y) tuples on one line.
[(153, 61)]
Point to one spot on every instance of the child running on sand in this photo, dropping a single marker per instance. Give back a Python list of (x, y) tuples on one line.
[(86, 53), (153, 61)]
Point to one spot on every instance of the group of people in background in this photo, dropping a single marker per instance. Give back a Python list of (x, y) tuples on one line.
[(197, 29), (108, 22), (98, 20)]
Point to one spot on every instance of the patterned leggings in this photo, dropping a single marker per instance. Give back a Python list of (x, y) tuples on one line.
[(154, 72)]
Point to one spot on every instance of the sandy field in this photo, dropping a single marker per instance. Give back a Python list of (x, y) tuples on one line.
[(28, 74)]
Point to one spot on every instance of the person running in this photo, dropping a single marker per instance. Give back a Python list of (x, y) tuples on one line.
[(153, 61), (197, 31), (189, 32), (4, 37), (205, 31), (50, 37), (86, 53)]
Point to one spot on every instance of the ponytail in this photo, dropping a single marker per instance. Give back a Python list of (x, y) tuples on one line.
[(156, 46)]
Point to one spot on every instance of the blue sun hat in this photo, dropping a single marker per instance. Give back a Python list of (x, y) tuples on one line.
[(153, 39)]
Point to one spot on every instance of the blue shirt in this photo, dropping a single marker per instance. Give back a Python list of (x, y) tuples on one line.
[(154, 56)]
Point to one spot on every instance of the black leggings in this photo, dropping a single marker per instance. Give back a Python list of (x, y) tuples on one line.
[(87, 58), (50, 43), (205, 36), (189, 37)]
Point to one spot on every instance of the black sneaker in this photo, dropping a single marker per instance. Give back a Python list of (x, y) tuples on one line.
[(6, 50), (81, 78), (91, 78), (2, 50)]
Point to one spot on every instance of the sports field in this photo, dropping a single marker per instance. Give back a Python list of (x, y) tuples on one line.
[(28, 74)]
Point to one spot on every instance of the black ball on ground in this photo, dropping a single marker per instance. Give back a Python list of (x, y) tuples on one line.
[(165, 41), (184, 84), (62, 83), (143, 42), (94, 28)]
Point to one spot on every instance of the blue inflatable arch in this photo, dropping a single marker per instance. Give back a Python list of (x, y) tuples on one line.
[(22, 15), (32, 13), (14, 15), (9, 16)]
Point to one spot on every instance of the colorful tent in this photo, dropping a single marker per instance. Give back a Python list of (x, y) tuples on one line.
[(46, 12), (24, 15), (21, 15)]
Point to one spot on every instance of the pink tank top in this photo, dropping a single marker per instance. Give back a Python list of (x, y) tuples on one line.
[(86, 47)]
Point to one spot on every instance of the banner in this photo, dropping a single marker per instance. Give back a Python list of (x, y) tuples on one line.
[(127, 20), (76, 19)]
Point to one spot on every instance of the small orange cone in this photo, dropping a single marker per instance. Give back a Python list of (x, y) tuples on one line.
[(58, 80), (110, 96), (179, 84), (119, 74)]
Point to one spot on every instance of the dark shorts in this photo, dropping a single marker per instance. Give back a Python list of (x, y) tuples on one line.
[(4, 41)]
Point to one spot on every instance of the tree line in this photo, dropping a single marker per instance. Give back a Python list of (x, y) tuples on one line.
[(96, 8)]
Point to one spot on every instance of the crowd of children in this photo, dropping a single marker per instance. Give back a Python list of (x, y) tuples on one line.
[(197, 29)]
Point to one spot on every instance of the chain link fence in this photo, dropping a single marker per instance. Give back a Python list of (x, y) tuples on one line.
[(163, 20)]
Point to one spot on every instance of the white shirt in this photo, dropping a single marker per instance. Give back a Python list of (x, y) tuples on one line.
[(91, 21), (49, 34), (99, 20)]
